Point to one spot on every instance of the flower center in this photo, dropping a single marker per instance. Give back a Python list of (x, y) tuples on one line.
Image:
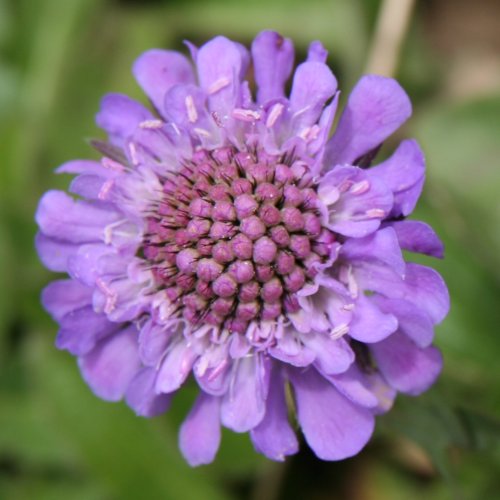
[(235, 237)]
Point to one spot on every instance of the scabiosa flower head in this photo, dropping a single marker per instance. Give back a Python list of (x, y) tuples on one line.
[(224, 235)]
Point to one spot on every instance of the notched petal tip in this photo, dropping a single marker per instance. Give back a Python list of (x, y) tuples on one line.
[(317, 52), (416, 236), (377, 107), (200, 433), (141, 396), (63, 296), (274, 436), (273, 57), (54, 253), (313, 84), (110, 367), (243, 406), (157, 70), (221, 65), (334, 427), (404, 174), (119, 116), (74, 221), (407, 367)]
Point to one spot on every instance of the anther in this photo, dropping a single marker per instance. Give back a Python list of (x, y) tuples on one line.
[(151, 124), (274, 114), (246, 115), (105, 188), (133, 153), (191, 109), (112, 164), (360, 187), (218, 85), (375, 213)]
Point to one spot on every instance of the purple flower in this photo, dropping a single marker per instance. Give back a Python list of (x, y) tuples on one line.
[(225, 235)]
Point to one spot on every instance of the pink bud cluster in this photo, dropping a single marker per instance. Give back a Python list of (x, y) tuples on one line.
[(236, 236)]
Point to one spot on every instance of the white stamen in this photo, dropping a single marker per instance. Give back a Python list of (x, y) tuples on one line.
[(301, 111), (352, 285), (360, 187), (348, 307), (246, 115), (218, 85), (108, 231), (191, 109), (202, 365), (112, 164), (133, 153), (339, 331), (176, 128), (111, 296), (224, 335), (202, 132), (187, 361), (104, 191), (274, 114), (108, 234), (313, 133), (151, 124), (219, 368), (165, 310), (303, 133), (375, 213), (309, 133), (345, 186)]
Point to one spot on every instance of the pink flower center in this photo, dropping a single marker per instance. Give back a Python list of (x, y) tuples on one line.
[(236, 236)]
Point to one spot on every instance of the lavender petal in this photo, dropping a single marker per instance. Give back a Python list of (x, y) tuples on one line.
[(369, 323), (405, 366), (61, 297), (274, 436), (141, 396), (313, 84), (244, 404), (199, 436), (157, 71), (333, 426), (110, 367), (273, 61), (416, 236), (119, 116), (221, 65), (377, 107), (404, 174)]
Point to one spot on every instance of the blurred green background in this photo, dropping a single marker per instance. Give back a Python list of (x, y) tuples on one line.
[(58, 441)]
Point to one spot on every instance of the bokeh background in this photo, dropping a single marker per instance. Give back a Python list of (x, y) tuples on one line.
[(58, 441)]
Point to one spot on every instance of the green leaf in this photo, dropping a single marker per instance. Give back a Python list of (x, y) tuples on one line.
[(463, 151), (430, 422), (484, 431), (130, 456)]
